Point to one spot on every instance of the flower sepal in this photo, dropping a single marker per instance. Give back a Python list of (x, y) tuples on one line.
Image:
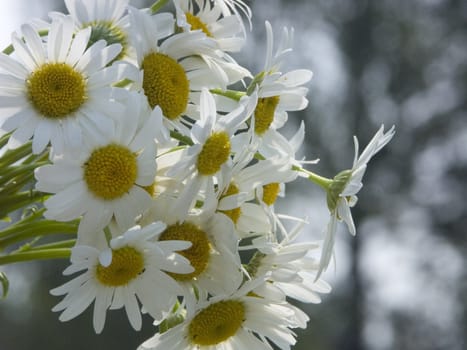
[(336, 187)]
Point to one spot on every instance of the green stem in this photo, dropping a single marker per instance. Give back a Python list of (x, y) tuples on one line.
[(259, 156), (256, 81), (13, 155), (4, 139), (13, 187), (157, 6), (14, 171), (232, 94), (45, 254), (8, 50), (26, 218), (182, 138), (10, 203), (30, 230), (322, 181), (69, 243), (37, 158), (123, 83)]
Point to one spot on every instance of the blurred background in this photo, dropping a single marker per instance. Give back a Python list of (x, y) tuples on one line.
[(401, 283)]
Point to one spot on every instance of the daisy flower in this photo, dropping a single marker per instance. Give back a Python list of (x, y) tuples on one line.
[(227, 30), (289, 267), (134, 268), (278, 93), (107, 19), (173, 72), (57, 89), (213, 254), (225, 8), (208, 161), (263, 182), (107, 180), (342, 193), (238, 321)]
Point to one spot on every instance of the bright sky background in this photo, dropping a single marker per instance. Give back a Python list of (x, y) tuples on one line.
[(14, 13)]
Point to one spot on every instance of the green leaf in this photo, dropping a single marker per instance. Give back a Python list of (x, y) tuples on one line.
[(5, 284)]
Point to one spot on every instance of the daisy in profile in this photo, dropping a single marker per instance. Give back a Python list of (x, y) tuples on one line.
[(342, 192), (278, 93), (134, 269), (226, 29), (207, 163), (289, 268), (52, 91), (107, 180), (173, 72), (237, 321), (213, 253), (108, 20), (225, 8)]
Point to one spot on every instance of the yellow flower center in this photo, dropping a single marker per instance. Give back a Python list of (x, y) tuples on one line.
[(108, 31), (215, 152), (197, 24), (199, 252), (217, 323), (165, 84), (110, 171), (233, 214), (127, 263), (264, 113), (270, 193), (56, 90)]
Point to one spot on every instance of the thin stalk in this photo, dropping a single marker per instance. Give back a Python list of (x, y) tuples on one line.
[(14, 171), (182, 138), (15, 186), (4, 139), (69, 243), (123, 83), (45, 254), (16, 201), (258, 79), (42, 157), (13, 155), (232, 94), (322, 181), (35, 214), (158, 5), (40, 228)]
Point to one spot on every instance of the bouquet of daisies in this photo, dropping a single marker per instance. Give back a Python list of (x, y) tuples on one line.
[(134, 145)]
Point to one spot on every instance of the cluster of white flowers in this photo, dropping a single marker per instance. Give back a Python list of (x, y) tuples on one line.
[(168, 156)]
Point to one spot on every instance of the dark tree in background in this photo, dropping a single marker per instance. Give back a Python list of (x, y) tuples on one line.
[(401, 282), (404, 63)]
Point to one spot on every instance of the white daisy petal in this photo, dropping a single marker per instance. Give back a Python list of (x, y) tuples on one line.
[(13, 67), (23, 52), (78, 46), (43, 133), (35, 43), (101, 304), (23, 133), (132, 309)]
